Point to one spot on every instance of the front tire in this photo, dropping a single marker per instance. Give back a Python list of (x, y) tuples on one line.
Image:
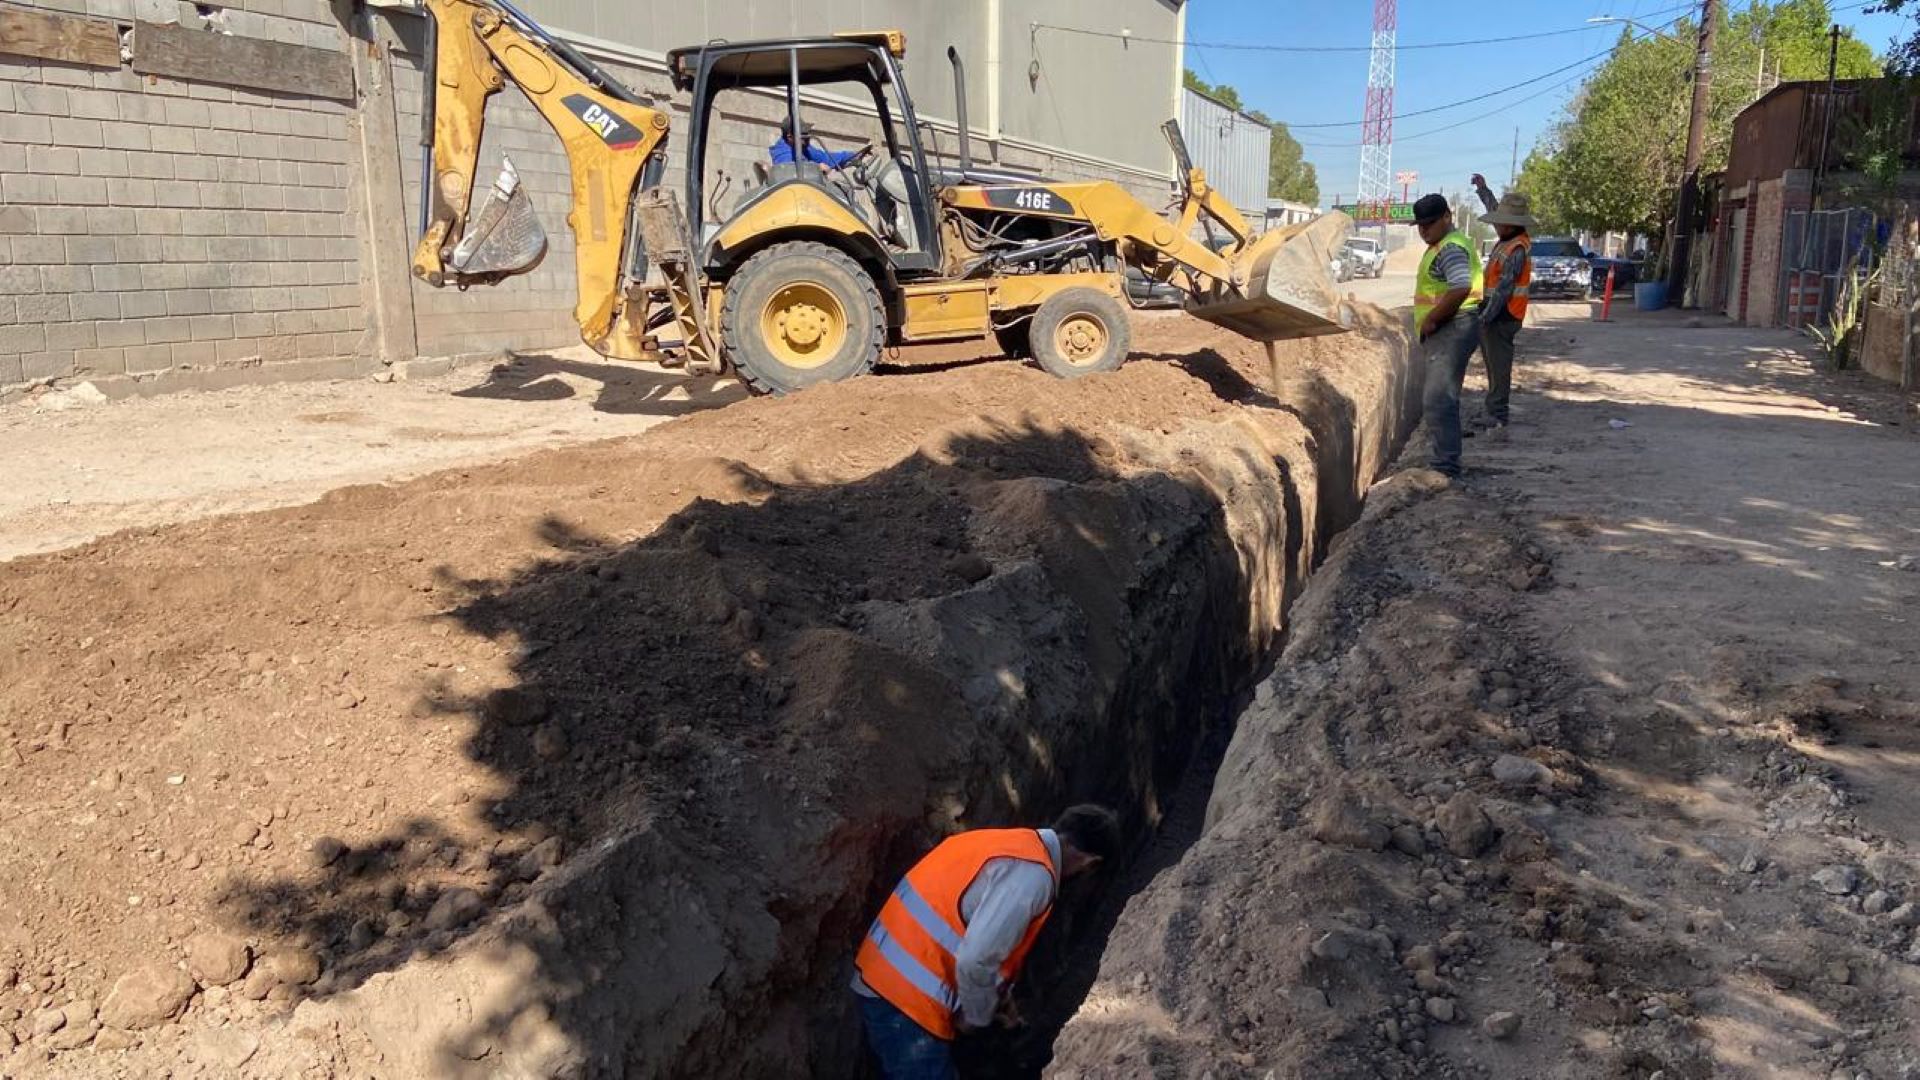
[(801, 313), (1079, 331)]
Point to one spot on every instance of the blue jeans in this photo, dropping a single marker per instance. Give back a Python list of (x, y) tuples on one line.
[(905, 1049), (1447, 354)]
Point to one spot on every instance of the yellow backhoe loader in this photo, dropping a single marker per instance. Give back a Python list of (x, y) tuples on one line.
[(825, 258)]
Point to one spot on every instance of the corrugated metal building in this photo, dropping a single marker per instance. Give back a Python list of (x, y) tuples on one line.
[(1233, 149)]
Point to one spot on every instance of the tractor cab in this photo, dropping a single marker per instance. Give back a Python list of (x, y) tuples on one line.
[(845, 165)]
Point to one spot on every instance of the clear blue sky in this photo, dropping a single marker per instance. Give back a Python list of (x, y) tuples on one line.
[(1309, 88)]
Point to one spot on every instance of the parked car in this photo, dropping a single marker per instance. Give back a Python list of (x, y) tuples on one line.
[(1369, 255), (1560, 267), (1626, 271)]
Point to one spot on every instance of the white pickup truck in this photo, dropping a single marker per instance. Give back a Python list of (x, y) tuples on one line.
[(1369, 258)]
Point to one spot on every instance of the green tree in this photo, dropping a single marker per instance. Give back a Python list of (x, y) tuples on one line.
[(1614, 160), (1905, 57), (1289, 174)]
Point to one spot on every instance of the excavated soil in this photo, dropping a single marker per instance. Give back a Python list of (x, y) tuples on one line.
[(595, 763)]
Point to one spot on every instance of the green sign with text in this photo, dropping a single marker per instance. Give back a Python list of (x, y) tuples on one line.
[(1395, 212)]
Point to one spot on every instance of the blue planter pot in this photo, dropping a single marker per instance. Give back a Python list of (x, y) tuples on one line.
[(1650, 296)]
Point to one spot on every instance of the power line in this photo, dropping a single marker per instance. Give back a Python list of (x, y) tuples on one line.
[(1456, 124), (1483, 95)]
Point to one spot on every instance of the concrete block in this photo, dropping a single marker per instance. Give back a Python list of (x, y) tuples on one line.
[(99, 362), (90, 249), (176, 193), (70, 335), (19, 220), (236, 350), (43, 308), (28, 188), (95, 306), (65, 278), (40, 99), (253, 325), (39, 250), (131, 191), (143, 108), (211, 275), (166, 331), (22, 338), (193, 354), (120, 80), (238, 170), (209, 92), (112, 221), (145, 358), (151, 166), (117, 277), (261, 196), (159, 221), (293, 322), (119, 334), (187, 113), (62, 75), (93, 105), (216, 141), (142, 305), (228, 301), (203, 222), (10, 371), (46, 364), (83, 191), (195, 167), (184, 249), (172, 140), (53, 160), (189, 302), (120, 11), (102, 163), (67, 131), (212, 327)]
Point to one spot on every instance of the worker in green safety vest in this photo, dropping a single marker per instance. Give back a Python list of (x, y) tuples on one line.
[(1446, 299)]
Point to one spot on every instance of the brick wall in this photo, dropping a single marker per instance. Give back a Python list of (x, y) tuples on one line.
[(151, 224), (1763, 263)]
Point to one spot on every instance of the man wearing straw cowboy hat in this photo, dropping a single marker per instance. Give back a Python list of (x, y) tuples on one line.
[(1503, 306)]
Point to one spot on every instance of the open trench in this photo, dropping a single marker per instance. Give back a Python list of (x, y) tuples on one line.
[(1120, 592), (791, 688)]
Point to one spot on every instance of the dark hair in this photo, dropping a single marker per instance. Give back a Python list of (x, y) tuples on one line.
[(1430, 208), (1091, 828)]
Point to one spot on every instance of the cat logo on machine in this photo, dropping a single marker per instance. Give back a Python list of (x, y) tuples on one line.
[(615, 132), (1037, 199)]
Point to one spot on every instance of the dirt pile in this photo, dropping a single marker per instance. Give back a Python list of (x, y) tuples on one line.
[(1440, 847), (594, 762)]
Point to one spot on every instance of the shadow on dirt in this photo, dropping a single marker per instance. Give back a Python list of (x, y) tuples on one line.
[(624, 388)]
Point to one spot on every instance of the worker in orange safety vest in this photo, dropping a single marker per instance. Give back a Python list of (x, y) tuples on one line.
[(951, 938), (1504, 303)]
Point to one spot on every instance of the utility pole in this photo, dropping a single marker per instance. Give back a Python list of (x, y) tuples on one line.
[(1513, 166), (1678, 249), (1826, 117)]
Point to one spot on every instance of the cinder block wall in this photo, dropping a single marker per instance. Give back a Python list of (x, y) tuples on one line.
[(158, 232), (149, 223), (1763, 268)]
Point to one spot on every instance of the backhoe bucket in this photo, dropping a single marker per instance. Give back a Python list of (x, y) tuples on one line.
[(503, 237), (1289, 288)]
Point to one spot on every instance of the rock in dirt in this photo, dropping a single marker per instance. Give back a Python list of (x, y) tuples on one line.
[(216, 959), (1342, 821), (323, 851), (46, 1022), (970, 567), (1335, 945), (292, 966), (1878, 902), (455, 907), (550, 742), (1408, 840), (225, 1049), (1441, 1009), (1465, 825), (539, 859), (147, 997), (1905, 915), (1513, 770), (114, 1039), (1751, 863), (1501, 1025), (1838, 880)]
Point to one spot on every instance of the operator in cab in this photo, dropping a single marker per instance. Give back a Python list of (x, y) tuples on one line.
[(781, 152)]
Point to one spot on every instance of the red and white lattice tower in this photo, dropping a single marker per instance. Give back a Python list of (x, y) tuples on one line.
[(1376, 133)]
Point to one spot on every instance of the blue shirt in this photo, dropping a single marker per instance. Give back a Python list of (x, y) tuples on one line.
[(782, 154)]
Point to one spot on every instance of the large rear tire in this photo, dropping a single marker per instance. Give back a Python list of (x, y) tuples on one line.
[(1079, 331), (801, 313)]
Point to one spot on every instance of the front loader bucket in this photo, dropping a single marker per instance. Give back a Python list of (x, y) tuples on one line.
[(1289, 287), (503, 237)]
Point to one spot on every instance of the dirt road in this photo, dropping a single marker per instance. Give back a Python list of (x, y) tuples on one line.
[(84, 470), (1601, 763)]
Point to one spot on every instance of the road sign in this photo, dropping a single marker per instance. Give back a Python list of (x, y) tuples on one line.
[(1395, 212), (1406, 177)]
